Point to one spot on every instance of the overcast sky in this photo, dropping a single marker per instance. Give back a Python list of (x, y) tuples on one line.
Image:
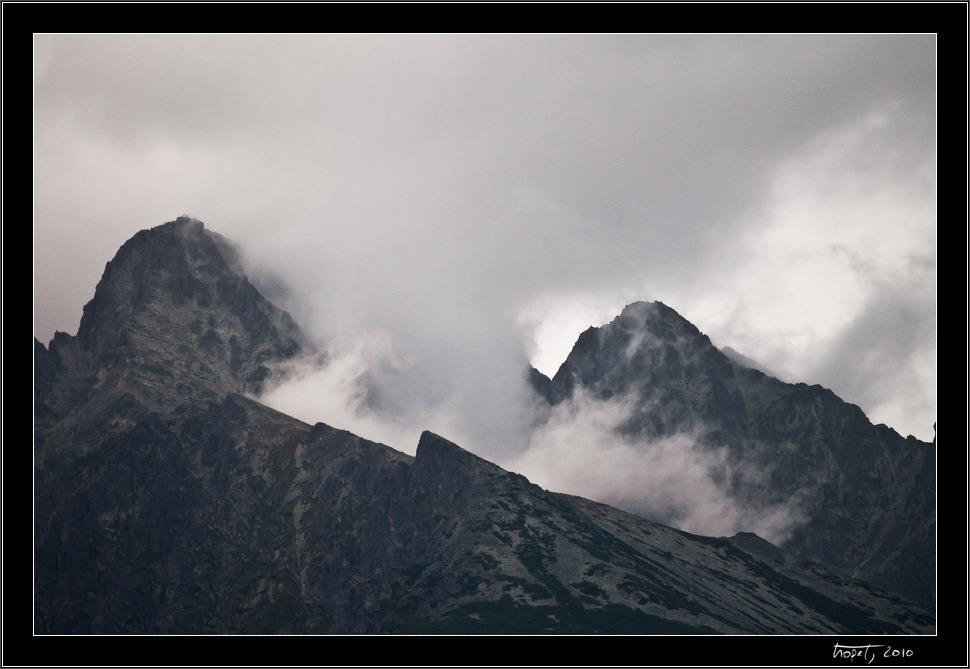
[(446, 208)]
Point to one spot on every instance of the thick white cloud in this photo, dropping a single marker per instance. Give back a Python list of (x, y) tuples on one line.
[(836, 284)]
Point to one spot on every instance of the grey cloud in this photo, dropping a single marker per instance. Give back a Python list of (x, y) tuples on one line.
[(887, 354), (427, 188)]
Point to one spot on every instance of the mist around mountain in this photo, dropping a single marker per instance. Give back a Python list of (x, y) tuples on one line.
[(168, 499), (745, 361)]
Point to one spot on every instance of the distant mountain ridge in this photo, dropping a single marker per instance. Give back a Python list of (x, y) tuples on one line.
[(868, 494), (166, 501)]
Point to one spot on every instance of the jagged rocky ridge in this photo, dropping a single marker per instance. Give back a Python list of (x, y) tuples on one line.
[(167, 501), (867, 495)]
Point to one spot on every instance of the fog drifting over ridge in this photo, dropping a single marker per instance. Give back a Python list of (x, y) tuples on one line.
[(446, 209), (672, 480)]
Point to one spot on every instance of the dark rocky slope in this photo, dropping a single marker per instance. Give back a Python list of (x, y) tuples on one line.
[(867, 494), (168, 502)]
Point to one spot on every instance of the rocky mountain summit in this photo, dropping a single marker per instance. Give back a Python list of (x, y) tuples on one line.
[(170, 323), (867, 495), (167, 501)]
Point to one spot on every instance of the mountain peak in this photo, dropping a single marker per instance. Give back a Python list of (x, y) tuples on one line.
[(647, 337), (170, 294), (160, 260), (642, 308), (775, 442), (658, 319)]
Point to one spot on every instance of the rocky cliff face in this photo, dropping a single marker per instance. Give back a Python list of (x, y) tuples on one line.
[(866, 495), (167, 502)]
